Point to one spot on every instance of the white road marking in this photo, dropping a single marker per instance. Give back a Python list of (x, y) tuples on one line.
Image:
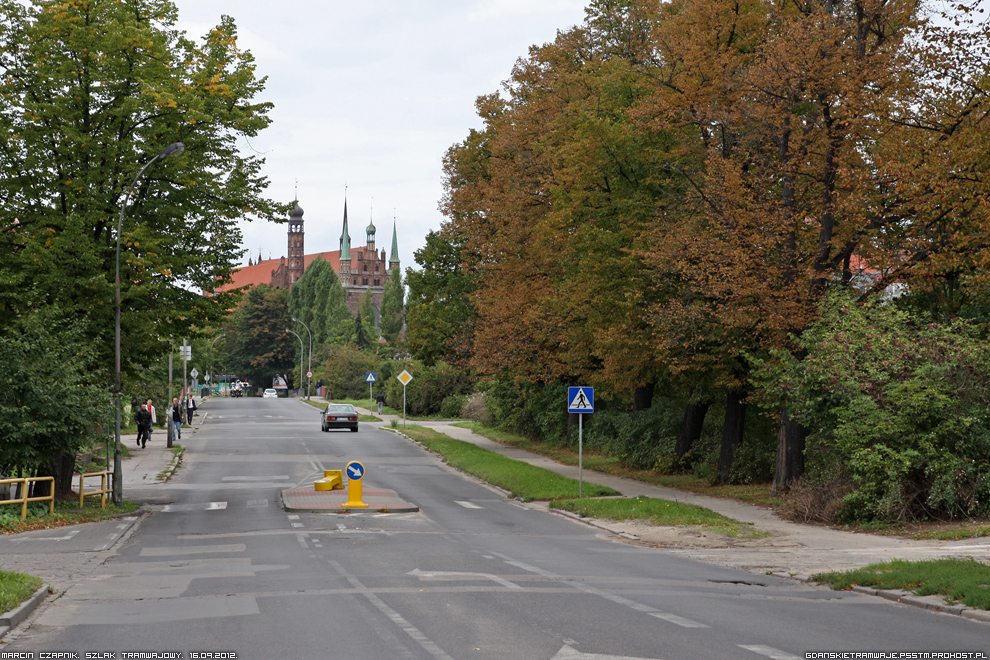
[(293, 517), (425, 642), (216, 506), (568, 653), (456, 575), (256, 504), (679, 620), (341, 526), (296, 524), (769, 651), (171, 551), (47, 538), (277, 477), (468, 505)]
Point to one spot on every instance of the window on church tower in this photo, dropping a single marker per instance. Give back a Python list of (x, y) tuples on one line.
[(364, 281), (366, 268), (378, 282)]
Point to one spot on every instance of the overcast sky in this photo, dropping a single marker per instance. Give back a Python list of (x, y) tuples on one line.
[(370, 94)]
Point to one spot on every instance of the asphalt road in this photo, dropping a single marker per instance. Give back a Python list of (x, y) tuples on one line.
[(219, 567)]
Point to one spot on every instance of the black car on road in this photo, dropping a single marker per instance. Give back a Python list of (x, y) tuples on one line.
[(339, 416)]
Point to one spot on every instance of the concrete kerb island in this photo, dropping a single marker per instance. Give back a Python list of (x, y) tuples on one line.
[(379, 500)]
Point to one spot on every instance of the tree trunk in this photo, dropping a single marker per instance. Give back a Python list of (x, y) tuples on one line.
[(643, 397), (691, 426), (62, 468), (790, 452), (732, 432), (572, 429)]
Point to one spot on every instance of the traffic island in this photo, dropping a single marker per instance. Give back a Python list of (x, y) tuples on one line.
[(380, 500)]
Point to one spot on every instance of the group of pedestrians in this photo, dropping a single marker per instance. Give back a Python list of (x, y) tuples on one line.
[(147, 417)]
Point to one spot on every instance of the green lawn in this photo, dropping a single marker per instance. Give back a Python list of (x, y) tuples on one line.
[(15, 588), (958, 580), (521, 479), (66, 513), (659, 512)]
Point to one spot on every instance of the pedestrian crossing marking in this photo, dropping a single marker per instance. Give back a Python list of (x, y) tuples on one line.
[(468, 505)]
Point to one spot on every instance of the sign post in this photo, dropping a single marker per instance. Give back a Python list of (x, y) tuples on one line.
[(404, 378), (580, 400), (370, 379)]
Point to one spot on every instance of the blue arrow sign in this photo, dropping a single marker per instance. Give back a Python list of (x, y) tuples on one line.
[(580, 399), (355, 470), (370, 378)]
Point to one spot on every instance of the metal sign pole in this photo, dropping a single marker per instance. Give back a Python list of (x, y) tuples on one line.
[(403, 405), (580, 455)]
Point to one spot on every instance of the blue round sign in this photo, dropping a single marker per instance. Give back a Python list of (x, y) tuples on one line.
[(355, 470)]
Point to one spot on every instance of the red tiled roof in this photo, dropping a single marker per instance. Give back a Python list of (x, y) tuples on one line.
[(261, 272)]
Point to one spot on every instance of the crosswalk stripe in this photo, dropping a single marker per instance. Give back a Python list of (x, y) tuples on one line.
[(468, 505)]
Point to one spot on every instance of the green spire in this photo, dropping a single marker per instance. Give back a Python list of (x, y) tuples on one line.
[(393, 258), (345, 239)]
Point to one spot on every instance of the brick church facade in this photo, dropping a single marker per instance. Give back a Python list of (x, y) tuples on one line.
[(359, 269)]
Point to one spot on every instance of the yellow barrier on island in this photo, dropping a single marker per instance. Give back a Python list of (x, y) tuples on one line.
[(332, 480), (355, 473)]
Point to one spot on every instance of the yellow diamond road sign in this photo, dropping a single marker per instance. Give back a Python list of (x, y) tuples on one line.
[(404, 377)]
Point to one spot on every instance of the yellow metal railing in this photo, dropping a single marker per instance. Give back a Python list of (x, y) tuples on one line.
[(102, 492), (23, 491)]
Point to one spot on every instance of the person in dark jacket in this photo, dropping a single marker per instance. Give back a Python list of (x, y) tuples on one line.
[(381, 402), (176, 419), (143, 418)]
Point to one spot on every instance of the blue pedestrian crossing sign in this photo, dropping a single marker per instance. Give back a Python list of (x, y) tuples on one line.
[(580, 399), (370, 378), (355, 470)]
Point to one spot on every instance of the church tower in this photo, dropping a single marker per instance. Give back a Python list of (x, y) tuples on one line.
[(297, 251), (345, 251)]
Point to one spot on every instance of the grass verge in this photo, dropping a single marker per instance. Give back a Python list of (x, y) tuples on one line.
[(752, 493), (66, 513), (660, 512), (958, 580), (15, 588), (521, 479)]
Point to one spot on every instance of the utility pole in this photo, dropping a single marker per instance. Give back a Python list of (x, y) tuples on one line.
[(185, 383), (168, 409)]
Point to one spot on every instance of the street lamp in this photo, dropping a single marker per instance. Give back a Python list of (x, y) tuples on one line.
[(173, 149), (309, 379), (302, 350)]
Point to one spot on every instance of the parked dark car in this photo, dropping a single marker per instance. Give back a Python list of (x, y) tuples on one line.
[(339, 416)]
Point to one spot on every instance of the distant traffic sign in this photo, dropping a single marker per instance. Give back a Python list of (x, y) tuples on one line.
[(370, 378), (404, 377), (194, 373), (309, 374), (580, 399)]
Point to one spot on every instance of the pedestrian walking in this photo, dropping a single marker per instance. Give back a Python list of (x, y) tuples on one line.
[(143, 418), (381, 402), (176, 419), (190, 409), (154, 418)]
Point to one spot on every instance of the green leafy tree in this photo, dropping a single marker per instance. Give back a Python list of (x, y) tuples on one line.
[(49, 406), (369, 316), (895, 407), (90, 92), (258, 348), (393, 307), (441, 315)]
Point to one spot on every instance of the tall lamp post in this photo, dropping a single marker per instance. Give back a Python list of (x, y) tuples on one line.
[(309, 379), (302, 350), (173, 149)]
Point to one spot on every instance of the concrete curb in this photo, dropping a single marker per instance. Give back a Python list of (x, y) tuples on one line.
[(12, 619), (934, 603)]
